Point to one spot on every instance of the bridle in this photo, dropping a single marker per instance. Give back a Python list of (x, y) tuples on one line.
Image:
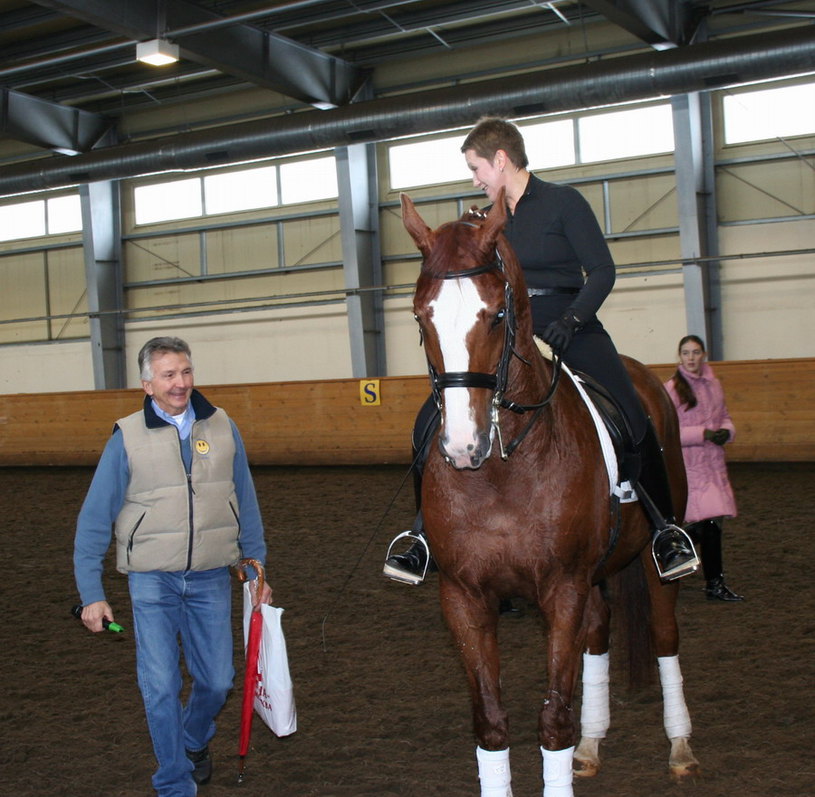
[(498, 381)]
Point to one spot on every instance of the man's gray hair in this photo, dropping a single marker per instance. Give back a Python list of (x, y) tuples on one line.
[(160, 346)]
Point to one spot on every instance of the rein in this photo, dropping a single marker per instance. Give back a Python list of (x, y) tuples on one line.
[(497, 382)]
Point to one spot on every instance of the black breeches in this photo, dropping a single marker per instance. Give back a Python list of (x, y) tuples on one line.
[(593, 352)]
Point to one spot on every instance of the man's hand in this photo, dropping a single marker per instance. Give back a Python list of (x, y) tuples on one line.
[(265, 596), (558, 334), (94, 613)]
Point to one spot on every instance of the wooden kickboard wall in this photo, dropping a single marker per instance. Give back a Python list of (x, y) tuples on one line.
[(326, 423)]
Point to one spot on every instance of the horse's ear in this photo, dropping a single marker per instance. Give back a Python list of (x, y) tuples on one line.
[(415, 225), (496, 217)]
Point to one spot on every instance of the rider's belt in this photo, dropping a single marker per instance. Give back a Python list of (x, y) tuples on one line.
[(551, 291)]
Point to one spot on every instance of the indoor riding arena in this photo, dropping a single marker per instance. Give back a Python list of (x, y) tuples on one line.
[(245, 196), (381, 698)]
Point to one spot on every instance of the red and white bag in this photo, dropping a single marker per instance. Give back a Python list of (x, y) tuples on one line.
[(274, 692)]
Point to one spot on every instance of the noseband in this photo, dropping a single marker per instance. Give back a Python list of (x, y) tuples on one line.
[(498, 381)]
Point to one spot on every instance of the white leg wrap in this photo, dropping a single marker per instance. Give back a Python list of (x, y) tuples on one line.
[(675, 712), (493, 772), (557, 772), (595, 716)]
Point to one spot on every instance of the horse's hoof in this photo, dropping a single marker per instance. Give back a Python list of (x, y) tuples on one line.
[(682, 763), (586, 761), (585, 769), (686, 772)]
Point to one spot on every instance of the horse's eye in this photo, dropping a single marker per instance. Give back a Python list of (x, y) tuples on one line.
[(416, 318), (499, 317)]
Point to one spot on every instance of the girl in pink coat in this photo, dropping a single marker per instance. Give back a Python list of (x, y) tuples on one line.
[(705, 426)]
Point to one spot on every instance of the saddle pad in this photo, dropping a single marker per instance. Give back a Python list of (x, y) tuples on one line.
[(624, 491)]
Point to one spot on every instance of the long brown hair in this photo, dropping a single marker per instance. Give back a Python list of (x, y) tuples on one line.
[(683, 388)]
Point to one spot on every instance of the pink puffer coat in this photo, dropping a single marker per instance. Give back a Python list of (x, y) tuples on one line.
[(709, 492)]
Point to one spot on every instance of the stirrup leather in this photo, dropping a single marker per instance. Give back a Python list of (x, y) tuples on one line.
[(686, 568), (401, 575)]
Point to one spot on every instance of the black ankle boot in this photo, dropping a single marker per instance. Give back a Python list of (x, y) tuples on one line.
[(202, 765), (716, 589), (412, 566)]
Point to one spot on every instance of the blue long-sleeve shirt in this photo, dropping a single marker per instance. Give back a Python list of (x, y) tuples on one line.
[(106, 496)]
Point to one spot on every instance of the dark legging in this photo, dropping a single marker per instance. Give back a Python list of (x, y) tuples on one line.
[(707, 534), (593, 352)]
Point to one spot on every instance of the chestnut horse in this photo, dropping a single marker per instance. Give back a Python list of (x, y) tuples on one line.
[(516, 503)]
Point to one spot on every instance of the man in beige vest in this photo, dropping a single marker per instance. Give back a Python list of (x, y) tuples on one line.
[(174, 483)]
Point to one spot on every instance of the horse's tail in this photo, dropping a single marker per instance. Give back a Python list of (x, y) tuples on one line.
[(631, 606)]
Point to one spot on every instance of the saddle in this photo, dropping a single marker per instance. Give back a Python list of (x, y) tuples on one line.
[(613, 416), (616, 442)]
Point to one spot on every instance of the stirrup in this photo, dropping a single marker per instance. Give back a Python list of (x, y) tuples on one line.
[(401, 575), (684, 568)]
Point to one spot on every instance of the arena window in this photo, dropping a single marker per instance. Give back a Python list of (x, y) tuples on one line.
[(308, 180), (627, 133), (246, 189), (177, 199), (305, 180), (550, 144), (769, 113), (40, 217)]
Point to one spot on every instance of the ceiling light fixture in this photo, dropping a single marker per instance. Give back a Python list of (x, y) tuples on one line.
[(157, 52)]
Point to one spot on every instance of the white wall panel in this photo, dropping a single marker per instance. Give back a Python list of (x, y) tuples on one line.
[(47, 368)]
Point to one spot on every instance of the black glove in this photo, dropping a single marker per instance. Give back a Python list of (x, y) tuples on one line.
[(717, 436), (558, 334)]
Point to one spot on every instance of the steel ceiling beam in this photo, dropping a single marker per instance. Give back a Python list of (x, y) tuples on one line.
[(660, 23), (48, 124), (641, 76), (260, 57)]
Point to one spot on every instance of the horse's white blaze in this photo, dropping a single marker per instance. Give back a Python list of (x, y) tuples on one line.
[(455, 311)]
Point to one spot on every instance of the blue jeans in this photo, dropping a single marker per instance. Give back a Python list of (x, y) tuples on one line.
[(197, 606)]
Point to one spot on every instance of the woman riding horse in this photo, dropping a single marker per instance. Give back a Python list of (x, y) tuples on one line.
[(541, 521), (556, 239)]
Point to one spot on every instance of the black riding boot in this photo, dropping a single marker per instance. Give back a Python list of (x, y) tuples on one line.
[(416, 562), (671, 547)]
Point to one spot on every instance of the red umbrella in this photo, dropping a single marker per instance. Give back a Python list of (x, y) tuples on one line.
[(250, 680)]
